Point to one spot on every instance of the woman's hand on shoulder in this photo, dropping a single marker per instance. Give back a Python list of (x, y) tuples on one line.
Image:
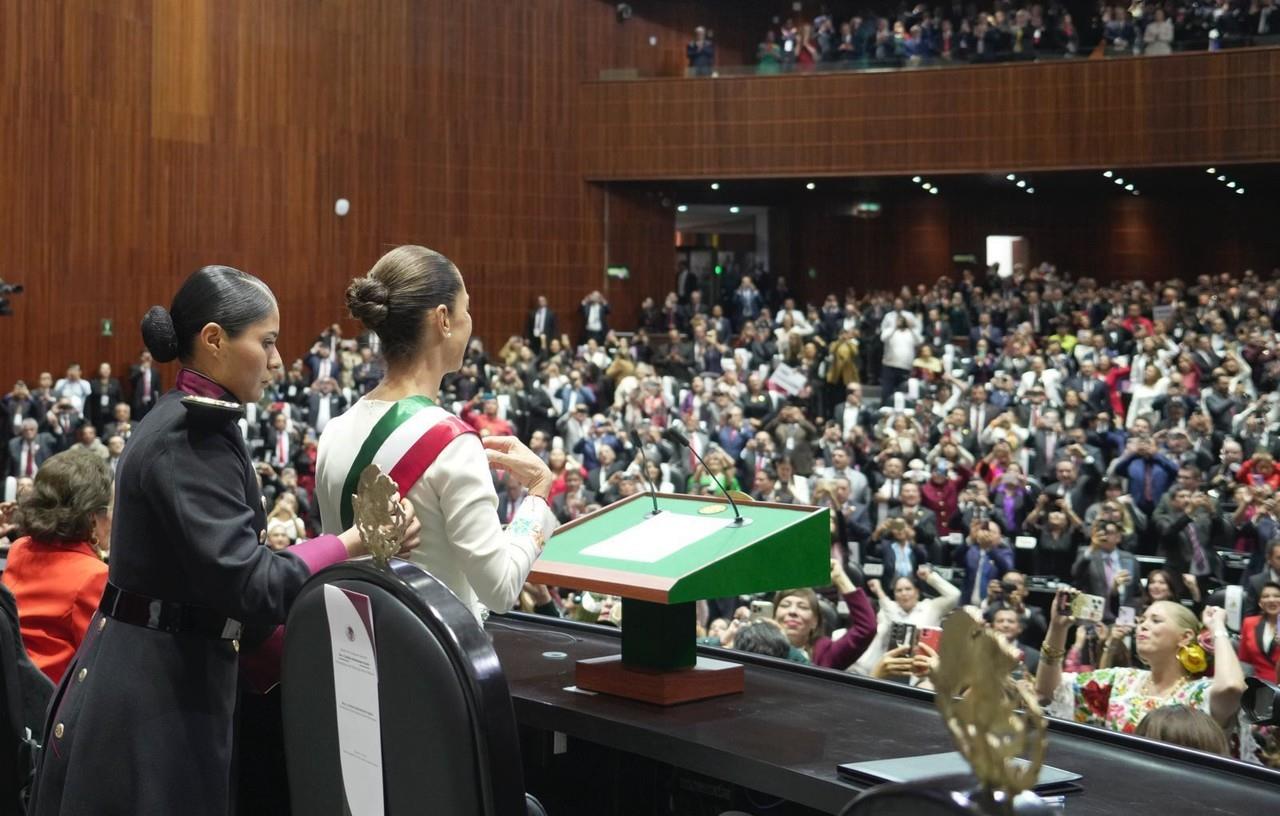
[(514, 456)]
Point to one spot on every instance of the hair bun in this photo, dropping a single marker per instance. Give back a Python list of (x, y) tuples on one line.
[(159, 334), (367, 300)]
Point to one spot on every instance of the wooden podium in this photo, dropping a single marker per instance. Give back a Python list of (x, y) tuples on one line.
[(778, 546)]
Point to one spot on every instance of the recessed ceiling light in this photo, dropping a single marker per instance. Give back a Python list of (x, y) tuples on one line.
[(1231, 185), (933, 191), (683, 208), (1031, 190), (1107, 174), (715, 185), (1022, 183), (1010, 177), (1120, 181), (1129, 187), (926, 186), (1211, 170), (810, 186), (1239, 191), (735, 210), (915, 179), (1222, 178)]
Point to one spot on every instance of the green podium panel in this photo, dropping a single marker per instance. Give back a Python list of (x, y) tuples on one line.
[(661, 565)]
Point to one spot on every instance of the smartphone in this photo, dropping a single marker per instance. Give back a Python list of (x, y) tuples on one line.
[(931, 636), (762, 610), (1127, 616), (903, 634), (1064, 606), (1088, 607)]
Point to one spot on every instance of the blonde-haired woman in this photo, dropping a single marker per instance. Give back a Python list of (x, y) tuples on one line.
[(1168, 643)]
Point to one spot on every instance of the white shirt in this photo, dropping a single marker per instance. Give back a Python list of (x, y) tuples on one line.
[(322, 414), (927, 612), (463, 545), (900, 344)]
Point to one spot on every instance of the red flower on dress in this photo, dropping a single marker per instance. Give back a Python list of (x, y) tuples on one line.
[(1096, 697)]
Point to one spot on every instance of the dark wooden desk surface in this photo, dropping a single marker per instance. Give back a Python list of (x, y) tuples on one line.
[(787, 733)]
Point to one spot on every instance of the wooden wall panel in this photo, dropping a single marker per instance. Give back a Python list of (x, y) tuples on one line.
[(1182, 109), (144, 138)]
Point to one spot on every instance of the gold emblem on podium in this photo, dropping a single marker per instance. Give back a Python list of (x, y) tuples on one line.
[(994, 720), (380, 519)]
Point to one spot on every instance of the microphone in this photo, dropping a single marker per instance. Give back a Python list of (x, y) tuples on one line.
[(644, 464), (674, 436)]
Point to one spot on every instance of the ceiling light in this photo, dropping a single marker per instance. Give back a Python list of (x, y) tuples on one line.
[(1222, 178), (1022, 183), (735, 210), (933, 191), (1107, 174), (1129, 187), (810, 186), (1120, 181), (1010, 177), (915, 179), (927, 186), (1031, 190), (715, 185), (1211, 170), (683, 208), (1231, 185), (1239, 191)]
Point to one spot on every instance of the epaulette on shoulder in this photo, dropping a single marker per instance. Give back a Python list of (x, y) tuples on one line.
[(207, 409)]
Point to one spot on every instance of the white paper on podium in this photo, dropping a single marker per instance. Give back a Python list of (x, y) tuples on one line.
[(355, 686), (657, 538)]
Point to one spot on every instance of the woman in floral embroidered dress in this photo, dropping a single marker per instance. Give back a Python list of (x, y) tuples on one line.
[(1168, 643)]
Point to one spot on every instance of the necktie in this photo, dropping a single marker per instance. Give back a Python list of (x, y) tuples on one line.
[(31, 461), (538, 323), (980, 579), (281, 450), (1050, 443), (904, 561), (1148, 483), (146, 385), (1199, 564), (1109, 567)]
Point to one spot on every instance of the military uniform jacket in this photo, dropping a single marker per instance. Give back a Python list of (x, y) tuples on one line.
[(143, 721)]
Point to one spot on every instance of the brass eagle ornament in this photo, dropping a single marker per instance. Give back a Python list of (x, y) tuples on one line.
[(380, 519)]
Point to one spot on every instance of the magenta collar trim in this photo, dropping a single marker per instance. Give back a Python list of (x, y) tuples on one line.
[(197, 384)]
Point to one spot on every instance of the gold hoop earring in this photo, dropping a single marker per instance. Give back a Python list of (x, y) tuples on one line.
[(1193, 658)]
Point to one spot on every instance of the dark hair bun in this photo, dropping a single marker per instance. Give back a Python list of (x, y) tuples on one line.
[(159, 334), (367, 299)]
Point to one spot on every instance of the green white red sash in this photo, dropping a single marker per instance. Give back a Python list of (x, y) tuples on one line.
[(404, 443)]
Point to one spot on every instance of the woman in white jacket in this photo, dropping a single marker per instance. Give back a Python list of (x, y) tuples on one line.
[(906, 606)]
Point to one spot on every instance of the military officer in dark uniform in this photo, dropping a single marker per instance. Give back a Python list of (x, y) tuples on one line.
[(144, 720)]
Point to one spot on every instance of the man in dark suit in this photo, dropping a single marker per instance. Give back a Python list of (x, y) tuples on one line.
[(324, 403), (1092, 391), (686, 283), (104, 393), (29, 449), (121, 423), (986, 330), (852, 413), (595, 317), (322, 364), (145, 385), (541, 326), (1106, 570), (1270, 573), (1189, 537), (281, 445), (574, 499), (985, 558), (898, 549), (600, 479), (509, 500), (692, 310)]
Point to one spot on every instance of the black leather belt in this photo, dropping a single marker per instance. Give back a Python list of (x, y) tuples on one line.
[(167, 616)]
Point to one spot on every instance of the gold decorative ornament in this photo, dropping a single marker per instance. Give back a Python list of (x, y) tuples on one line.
[(995, 721), (380, 519)]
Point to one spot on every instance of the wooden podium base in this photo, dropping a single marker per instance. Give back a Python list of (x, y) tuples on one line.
[(708, 678)]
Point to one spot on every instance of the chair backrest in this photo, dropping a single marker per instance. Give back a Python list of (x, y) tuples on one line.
[(449, 736)]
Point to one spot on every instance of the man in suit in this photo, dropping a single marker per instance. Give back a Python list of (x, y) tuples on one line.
[(601, 478), (686, 283), (1105, 569), (1190, 539), (1008, 624), (922, 520), (29, 449), (747, 302), (692, 310), (541, 325), (104, 393), (1149, 474), (1046, 441), (1270, 574), (1078, 484), (985, 558), (570, 504), (145, 385), (1092, 391), (898, 549), (509, 500), (322, 364), (793, 434), (842, 468), (985, 330), (281, 445), (324, 403), (121, 423), (852, 413), (64, 422), (595, 317)]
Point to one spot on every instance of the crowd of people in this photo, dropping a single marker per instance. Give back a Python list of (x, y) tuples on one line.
[(1026, 430), (1001, 32)]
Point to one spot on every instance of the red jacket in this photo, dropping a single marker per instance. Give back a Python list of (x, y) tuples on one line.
[(1247, 476), (1264, 665), (57, 586)]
